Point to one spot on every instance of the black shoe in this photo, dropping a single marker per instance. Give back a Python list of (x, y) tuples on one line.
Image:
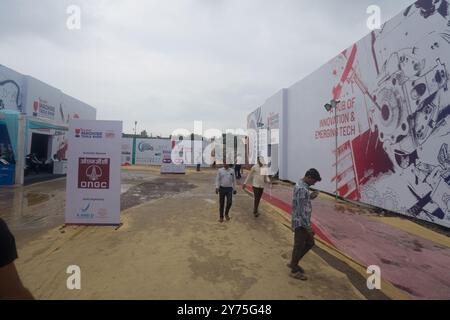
[(228, 218)]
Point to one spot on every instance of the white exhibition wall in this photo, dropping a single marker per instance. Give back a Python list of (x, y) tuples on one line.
[(152, 151), (393, 119), (11, 89), (52, 105), (265, 121), (43, 102), (38, 99)]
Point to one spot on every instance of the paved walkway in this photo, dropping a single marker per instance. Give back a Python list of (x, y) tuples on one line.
[(412, 258)]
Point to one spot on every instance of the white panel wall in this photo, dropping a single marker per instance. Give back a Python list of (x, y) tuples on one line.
[(11, 89), (152, 151), (393, 122), (266, 121)]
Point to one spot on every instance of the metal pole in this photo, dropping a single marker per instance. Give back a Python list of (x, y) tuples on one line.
[(336, 150), (21, 147), (270, 189)]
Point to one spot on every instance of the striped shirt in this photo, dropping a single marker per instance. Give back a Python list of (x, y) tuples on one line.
[(301, 206)]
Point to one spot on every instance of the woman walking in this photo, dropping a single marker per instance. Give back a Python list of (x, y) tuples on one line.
[(259, 176)]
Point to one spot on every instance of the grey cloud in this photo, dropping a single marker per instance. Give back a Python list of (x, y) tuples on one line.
[(168, 63)]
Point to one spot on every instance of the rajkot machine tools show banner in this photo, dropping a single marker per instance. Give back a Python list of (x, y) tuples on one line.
[(93, 178), (393, 122)]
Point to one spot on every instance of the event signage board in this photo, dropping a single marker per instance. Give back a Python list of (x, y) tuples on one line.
[(93, 172), (175, 161), (151, 151), (127, 151)]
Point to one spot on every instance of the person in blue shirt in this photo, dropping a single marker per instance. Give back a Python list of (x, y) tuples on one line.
[(301, 221)]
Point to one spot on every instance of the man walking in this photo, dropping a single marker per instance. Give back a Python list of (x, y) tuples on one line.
[(301, 221), (225, 187), (258, 176)]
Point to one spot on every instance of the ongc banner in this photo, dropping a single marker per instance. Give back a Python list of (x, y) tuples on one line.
[(93, 173)]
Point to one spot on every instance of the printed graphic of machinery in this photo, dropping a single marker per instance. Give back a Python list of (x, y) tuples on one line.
[(408, 109), (410, 112), (10, 95)]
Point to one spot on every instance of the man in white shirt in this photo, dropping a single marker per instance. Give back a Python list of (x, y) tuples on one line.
[(258, 176), (225, 187)]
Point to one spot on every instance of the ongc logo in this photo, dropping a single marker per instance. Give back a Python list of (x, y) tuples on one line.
[(93, 173)]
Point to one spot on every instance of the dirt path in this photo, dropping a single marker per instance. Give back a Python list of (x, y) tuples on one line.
[(173, 247)]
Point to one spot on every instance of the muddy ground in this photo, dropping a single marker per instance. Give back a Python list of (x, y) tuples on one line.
[(170, 246)]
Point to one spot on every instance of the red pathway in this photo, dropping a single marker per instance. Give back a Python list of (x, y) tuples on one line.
[(414, 264)]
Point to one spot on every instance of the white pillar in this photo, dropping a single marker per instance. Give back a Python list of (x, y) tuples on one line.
[(283, 148)]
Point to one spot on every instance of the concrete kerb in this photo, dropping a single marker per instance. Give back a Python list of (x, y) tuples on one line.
[(156, 169), (152, 168), (386, 287)]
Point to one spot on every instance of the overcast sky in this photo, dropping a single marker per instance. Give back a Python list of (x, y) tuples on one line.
[(167, 63)]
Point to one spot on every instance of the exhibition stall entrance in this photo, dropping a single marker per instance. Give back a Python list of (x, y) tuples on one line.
[(25, 149), (8, 146), (40, 164)]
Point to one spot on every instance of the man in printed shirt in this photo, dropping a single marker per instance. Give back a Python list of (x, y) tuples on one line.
[(301, 221), (225, 187)]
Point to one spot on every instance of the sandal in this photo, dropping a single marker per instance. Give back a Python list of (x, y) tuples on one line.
[(299, 276), (300, 268)]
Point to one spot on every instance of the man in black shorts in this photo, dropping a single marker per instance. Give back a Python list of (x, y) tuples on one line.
[(10, 285)]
